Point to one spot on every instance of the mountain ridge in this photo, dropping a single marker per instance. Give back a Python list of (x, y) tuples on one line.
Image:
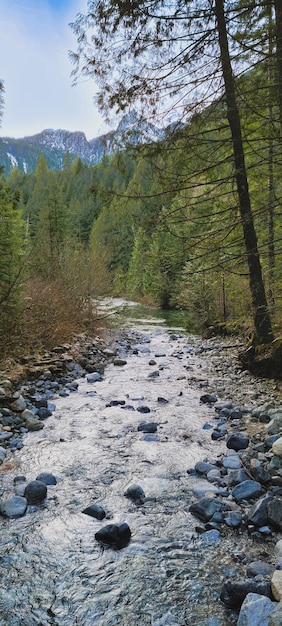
[(23, 153)]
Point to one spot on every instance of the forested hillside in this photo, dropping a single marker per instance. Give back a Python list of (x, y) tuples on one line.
[(159, 223)]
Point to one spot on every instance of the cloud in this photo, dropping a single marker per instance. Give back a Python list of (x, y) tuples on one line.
[(35, 38)]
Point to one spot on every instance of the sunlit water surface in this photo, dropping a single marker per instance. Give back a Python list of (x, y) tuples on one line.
[(53, 571)]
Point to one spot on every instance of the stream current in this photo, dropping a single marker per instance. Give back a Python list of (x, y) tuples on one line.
[(53, 571)]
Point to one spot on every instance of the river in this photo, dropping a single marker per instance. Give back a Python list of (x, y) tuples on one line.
[(53, 571)]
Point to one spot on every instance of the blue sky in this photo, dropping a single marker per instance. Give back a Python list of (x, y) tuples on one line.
[(35, 38)]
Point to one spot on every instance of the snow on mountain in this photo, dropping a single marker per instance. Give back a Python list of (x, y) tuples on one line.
[(53, 144)]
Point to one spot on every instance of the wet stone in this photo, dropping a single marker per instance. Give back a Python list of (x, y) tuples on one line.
[(94, 377), (13, 507), (205, 508), (35, 492), (135, 493), (148, 427), (259, 568), (47, 478), (208, 398), (95, 510), (143, 409), (114, 535), (233, 593), (237, 441), (255, 610), (247, 490)]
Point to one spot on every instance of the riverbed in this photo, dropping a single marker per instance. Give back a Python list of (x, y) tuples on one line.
[(53, 570)]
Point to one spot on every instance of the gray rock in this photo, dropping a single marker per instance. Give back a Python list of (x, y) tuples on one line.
[(231, 462), (47, 478), (135, 493), (13, 507), (259, 568), (208, 398), (233, 593), (35, 492), (148, 427), (276, 617), (95, 510), (237, 441), (94, 377), (247, 490), (274, 509), (119, 362), (115, 535), (255, 610), (235, 477), (233, 519), (33, 424), (5, 436), (203, 467), (258, 514), (206, 507)]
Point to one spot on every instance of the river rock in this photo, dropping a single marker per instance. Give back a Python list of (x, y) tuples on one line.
[(135, 493), (35, 492), (231, 462), (258, 514), (255, 610), (208, 398), (276, 584), (247, 490), (115, 535), (95, 510), (237, 441), (13, 507), (2, 454), (276, 617), (5, 436), (203, 467), (233, 593), (205, 508), (259, 473), (94, 377), (43, 413), (233, 519), (47, 478), (148, 427), (277, 447), (18, 405), (33, 424), (143, 409), (120, 362), (259, 568), (274, 427), (274, 509), (235, 477)]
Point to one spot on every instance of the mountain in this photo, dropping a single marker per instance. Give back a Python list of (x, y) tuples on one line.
[(53, 144)]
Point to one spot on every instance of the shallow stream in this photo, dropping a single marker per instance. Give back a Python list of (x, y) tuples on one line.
[(53, 571)]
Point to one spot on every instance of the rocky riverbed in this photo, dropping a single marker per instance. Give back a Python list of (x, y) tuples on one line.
[(141, 482)]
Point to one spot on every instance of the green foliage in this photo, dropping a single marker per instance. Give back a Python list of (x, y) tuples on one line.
[(12, 259)]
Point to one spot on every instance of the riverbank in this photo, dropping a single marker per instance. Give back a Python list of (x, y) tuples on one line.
[(174, 382)]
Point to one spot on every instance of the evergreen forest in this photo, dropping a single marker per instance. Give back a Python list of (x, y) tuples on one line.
[(158, 223)]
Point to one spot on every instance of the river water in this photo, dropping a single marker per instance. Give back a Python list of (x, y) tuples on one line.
[(53, 571)]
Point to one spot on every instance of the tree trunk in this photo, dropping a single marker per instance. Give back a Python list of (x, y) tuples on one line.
[(261, 315), (278, 35)]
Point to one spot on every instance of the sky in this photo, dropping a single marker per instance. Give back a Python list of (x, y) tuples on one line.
[(35, 38)]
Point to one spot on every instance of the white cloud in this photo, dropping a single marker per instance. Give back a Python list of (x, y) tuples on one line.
[(35, 38)]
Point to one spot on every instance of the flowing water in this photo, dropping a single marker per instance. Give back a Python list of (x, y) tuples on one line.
[(53, 571)]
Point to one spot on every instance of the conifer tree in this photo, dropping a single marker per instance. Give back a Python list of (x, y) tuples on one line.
[(151, 51)]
